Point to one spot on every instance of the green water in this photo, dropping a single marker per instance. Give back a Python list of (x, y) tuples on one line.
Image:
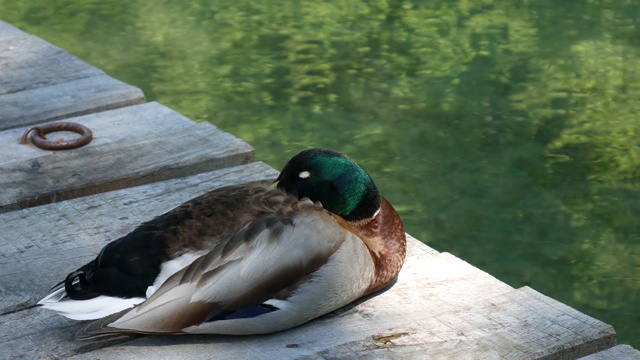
[(505, 132)]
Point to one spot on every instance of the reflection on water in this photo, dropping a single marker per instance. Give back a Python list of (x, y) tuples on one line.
[(504, 133)]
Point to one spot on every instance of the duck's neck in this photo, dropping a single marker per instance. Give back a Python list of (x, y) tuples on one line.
[(384, 233)]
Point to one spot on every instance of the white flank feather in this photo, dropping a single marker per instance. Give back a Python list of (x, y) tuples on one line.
[(171, 267), (91, 309)]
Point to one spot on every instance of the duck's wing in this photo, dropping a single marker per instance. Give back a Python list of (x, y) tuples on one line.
[(130, 268), (285, 268)]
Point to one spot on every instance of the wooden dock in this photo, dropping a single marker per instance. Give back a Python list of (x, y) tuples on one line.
[(58, 209)]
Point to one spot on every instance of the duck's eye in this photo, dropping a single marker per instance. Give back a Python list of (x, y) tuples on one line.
[(304, 174)]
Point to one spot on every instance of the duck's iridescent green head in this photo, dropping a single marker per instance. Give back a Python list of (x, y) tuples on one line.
[(324, 175)]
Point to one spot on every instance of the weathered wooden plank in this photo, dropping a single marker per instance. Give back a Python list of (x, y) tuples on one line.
[(439, 307), (40, 82), (620, 352), (10, 31), (131, 146), (66, 100), (28, 62), (113, 126), (464, 319)]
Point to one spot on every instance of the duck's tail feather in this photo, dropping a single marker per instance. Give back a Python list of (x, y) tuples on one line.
[(56, 294), (101, 329)]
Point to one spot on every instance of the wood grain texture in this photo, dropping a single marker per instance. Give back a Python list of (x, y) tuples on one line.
[(131, 146), (620, 352), (41, 82), (66, 100), (28, 62), (440, 306)]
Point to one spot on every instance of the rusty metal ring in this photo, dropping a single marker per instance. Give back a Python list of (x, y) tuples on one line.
[(39, 140)]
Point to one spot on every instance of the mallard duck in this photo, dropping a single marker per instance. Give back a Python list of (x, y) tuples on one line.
[(245, 259)]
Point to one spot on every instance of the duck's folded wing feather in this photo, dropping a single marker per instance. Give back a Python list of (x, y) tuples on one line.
[(269, 257)]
